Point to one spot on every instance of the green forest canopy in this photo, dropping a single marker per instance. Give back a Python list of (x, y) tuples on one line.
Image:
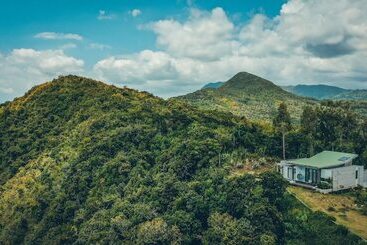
[(84, 162)]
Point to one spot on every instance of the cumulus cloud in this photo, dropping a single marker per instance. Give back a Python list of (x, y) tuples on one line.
[(157, 66), (135, 12), (58, 36), (23, 68), (103, 15), (205, 36), (308, 42)]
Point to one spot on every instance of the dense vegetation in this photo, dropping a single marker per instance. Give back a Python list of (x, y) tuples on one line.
[(82, 162), (359, 94), (258, 99), (248, 95)]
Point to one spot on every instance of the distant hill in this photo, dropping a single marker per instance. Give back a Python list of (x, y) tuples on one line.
[(359, 94), (213, 85), (326, 92), (248, 95), (319, 92)]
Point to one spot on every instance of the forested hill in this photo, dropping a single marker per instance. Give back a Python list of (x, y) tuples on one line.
[(319, 91), (83, 162), (247, 95), (357, 95), (326, 92)]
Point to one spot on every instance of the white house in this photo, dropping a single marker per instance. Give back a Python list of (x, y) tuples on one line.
[(326, 172)]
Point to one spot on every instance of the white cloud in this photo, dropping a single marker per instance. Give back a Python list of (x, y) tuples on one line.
[(308, 42), (157, 66), (102, 15), (204, 36), (58, 36), (68, 46), (98, 46), (23, 68), (135, 12)]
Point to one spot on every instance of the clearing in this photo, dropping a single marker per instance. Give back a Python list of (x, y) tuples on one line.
[(340, 206)]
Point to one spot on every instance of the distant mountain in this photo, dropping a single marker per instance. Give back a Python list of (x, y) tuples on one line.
[(247, 95), (213, 85), (316, 91), (360, 94)]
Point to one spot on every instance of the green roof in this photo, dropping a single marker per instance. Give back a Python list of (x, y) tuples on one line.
[(325, 159)]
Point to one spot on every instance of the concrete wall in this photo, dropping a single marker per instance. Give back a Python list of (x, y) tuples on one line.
[(326, 173), (360, 175), (345, 177), (284, 170)]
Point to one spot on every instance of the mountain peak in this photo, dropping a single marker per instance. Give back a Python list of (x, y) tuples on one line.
[(244, 81), (247, 95)]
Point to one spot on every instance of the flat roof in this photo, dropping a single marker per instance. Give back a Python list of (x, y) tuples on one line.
[(325, 159)]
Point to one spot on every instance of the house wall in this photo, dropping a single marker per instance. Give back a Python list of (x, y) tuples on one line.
[(364, 184), (345, 177), (284, 169), (361, 177), (326, 173), (348, 163)]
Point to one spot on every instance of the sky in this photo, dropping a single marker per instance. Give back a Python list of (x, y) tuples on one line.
[(174, 47)]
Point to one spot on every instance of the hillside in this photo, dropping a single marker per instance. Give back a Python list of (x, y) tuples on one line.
[(82, 162), (326, 92), (319, 91), (343, 207), (247, 95), (359, 94)]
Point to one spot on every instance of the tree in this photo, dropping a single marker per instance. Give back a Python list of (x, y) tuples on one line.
[(282, 123), (225, 229), (274, 187), (364, 129), (157, 231), (309, 124)]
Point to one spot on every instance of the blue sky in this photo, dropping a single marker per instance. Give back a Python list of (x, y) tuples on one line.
[(21, 20), (174, 47)]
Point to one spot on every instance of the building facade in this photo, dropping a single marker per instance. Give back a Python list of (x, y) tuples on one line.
[(326, 172)]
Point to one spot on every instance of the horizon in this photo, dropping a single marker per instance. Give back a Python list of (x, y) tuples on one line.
[(174, 48)]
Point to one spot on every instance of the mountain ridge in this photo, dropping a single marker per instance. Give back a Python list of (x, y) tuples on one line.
[(319, 91), (213, 85)]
